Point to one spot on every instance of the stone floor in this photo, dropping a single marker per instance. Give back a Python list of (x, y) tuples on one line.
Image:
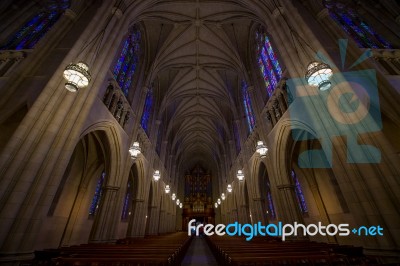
[(199, 254)]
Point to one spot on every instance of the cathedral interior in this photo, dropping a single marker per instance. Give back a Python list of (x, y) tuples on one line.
[(122, 121)]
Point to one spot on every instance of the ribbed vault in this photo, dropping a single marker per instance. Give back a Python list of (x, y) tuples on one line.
[(198, 52)]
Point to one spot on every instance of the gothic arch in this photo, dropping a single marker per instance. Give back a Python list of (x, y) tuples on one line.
[(68, 217)]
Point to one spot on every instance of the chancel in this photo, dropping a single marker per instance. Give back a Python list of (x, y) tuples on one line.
[(122, 121)]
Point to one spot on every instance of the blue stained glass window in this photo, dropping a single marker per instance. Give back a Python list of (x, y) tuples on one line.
[(127, 201), (271, 208), (147, 111), (299, 193), (35, 28), (251, 121), (237, 137), (97, 195), (268, 63), (127, 63), (355, 27)]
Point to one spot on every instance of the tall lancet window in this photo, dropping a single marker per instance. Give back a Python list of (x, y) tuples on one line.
[(147, 112), (128, 60), (94, 206), (271, 208), (299, 193), (37, 26), (355, 27), (267, 60), (248, 109), (127, 201)]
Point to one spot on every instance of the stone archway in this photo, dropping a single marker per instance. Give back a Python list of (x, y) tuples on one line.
[(68, 218)]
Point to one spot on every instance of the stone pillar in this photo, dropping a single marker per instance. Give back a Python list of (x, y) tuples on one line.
[(154, 216), (137, 224), (103, 227), (258, 213), (73, 215), (321, 208), (289, 209), (163, 222)]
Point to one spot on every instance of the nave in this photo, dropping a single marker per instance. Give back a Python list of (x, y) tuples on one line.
[(180, 249)]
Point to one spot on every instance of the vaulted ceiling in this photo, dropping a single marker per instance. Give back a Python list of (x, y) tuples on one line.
[(198, 54)]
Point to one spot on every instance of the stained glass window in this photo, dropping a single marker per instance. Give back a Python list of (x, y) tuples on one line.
[(299, 193), (355, 27), (128, 60), (36, 27), (251, 121), (147, 111), (267, 62), (271, 208), (97, 195), (127, 201), (237, 137)]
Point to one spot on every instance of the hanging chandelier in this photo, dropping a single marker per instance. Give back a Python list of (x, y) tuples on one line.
[(261, 148), (219, 201), (173, 196), (240, 175), (216, 205), (156, 175), (167, 189), (178, 201), (223, 196), (318, 74), (229, 188), (135, 150), (77, 76), (180, 205)]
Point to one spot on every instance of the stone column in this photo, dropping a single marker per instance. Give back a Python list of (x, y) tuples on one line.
[(103, 227), (154, 216), (138, 220), (289, 209), (163, 222), (258, 210)]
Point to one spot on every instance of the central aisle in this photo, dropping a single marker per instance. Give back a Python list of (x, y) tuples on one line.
[(199, 254)]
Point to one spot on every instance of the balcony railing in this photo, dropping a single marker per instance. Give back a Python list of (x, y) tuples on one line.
[(9, 59), (389, 59), (114, 99), (277, 104)]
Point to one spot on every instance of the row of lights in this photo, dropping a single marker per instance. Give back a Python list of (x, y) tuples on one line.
[(135, 151), (173, 196), (262, 150)]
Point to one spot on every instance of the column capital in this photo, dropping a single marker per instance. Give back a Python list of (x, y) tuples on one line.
[(111, 188), (286, 186), (117, 12), (258, 199), (322, 14), (138, 200), (250, 88), (70, 14), (277, 12)]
